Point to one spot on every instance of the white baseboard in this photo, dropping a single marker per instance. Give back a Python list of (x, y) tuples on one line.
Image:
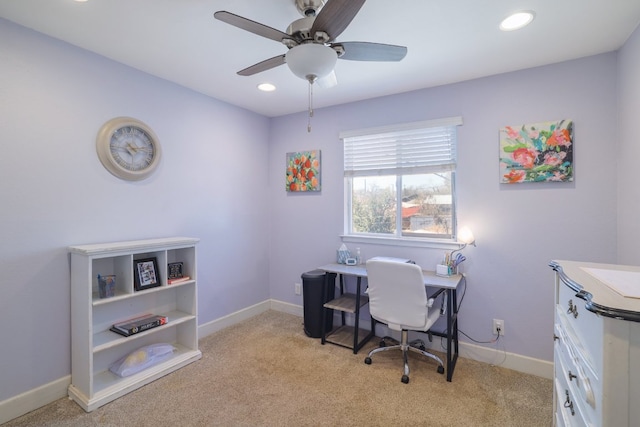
[(286, 307), (28, 401), (247, 313), (209, 328), (501, 357), (33, 399)]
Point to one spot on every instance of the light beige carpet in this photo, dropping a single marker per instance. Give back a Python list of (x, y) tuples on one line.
[(267, 372)]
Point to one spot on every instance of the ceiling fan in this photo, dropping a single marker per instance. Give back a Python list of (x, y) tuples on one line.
[(313, 49)]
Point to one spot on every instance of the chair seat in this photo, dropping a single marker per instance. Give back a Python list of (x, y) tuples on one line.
[(432, 317)]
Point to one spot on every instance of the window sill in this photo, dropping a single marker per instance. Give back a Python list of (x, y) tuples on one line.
[(395, 241)]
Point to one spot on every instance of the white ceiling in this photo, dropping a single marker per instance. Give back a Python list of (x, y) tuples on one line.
[(448, 41)]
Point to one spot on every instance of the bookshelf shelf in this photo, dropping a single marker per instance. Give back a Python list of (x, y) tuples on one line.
[(106, 339), (94, 347)]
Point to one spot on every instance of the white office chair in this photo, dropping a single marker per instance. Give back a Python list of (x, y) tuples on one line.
[(398, 298)]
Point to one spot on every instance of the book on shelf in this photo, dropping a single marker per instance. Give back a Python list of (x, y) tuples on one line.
[(176, 280), (139, 324)]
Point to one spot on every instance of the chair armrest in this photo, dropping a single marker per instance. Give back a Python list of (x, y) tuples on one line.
[(431, 299), (436, 294)]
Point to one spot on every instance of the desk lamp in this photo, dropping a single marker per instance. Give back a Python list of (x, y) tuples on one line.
[(465, 236)]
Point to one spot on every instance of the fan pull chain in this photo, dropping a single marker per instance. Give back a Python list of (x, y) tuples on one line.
[(310, 105)]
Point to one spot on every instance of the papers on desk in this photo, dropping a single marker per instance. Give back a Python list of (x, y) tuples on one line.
[(626, 283)]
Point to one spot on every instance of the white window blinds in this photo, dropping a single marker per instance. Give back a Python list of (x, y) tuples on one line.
[(410, 148)]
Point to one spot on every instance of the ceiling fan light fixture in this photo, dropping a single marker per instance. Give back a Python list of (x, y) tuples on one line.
[(311, 61), (517, 20)]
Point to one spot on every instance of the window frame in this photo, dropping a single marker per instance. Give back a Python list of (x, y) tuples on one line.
[(398, 239)]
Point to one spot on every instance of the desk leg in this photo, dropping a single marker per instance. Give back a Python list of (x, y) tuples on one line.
[(358, 345), (357, 319), (342, 314), (452, 332)]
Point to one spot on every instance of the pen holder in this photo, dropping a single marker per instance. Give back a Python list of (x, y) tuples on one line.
[(443, 270)]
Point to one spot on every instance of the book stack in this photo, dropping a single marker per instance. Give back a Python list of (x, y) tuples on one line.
[(139, 324), (175, 280)]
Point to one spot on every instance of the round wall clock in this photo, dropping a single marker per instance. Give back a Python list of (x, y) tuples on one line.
[(128, 148)]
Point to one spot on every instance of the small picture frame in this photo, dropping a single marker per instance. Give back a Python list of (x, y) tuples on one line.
[(174, 270), (145, 274)]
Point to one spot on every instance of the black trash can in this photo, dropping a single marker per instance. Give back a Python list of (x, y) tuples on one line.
[(313, 297)]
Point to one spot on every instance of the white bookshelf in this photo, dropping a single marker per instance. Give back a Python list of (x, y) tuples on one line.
[(94, 347)]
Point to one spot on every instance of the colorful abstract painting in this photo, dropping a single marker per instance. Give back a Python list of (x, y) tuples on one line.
[(303, 171), (540, 152)]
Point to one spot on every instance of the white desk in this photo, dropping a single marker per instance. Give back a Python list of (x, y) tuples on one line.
[(447, 284)]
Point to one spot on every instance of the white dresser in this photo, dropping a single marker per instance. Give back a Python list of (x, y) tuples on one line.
[(597, 344)]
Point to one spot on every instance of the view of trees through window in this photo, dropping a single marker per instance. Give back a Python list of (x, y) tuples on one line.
[(423, 205)]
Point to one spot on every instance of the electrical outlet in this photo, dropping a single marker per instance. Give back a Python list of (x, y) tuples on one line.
[(297, 287), (498, 324)]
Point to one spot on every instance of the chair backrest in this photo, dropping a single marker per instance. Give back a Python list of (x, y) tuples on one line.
[(397, 295)]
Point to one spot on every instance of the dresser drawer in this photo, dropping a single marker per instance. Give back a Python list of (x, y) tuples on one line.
[(567, 414), (585, 328), (570, 407), (584, 386)]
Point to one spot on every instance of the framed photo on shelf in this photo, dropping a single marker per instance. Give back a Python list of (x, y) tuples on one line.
[(174, 270), (145, 274)]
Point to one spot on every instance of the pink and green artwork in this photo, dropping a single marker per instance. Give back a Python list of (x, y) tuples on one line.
[(540, 152), (303, 171)]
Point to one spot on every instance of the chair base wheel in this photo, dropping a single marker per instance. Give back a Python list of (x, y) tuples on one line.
[(367, 360), (405, 379), (441, 369)]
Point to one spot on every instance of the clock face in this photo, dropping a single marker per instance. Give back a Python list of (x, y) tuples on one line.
[(132, 148), (128, 148)]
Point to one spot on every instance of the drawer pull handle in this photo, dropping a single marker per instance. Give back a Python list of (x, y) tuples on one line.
[(571, 376), (569, 404), (573, 309)]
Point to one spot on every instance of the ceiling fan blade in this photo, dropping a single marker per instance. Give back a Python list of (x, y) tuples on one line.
[(365, 51), (328, 81), (265, 65), (335, 16), (251, 26)]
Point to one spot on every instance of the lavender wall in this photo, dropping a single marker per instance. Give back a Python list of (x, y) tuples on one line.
[(629, 148), (519, 228), (54, 192)]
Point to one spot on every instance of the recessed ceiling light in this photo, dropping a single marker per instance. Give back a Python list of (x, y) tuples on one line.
[(81, 1), (517, 20), (266, 87)]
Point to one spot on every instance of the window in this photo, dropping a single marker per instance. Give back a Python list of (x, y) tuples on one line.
[(400, 180)]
